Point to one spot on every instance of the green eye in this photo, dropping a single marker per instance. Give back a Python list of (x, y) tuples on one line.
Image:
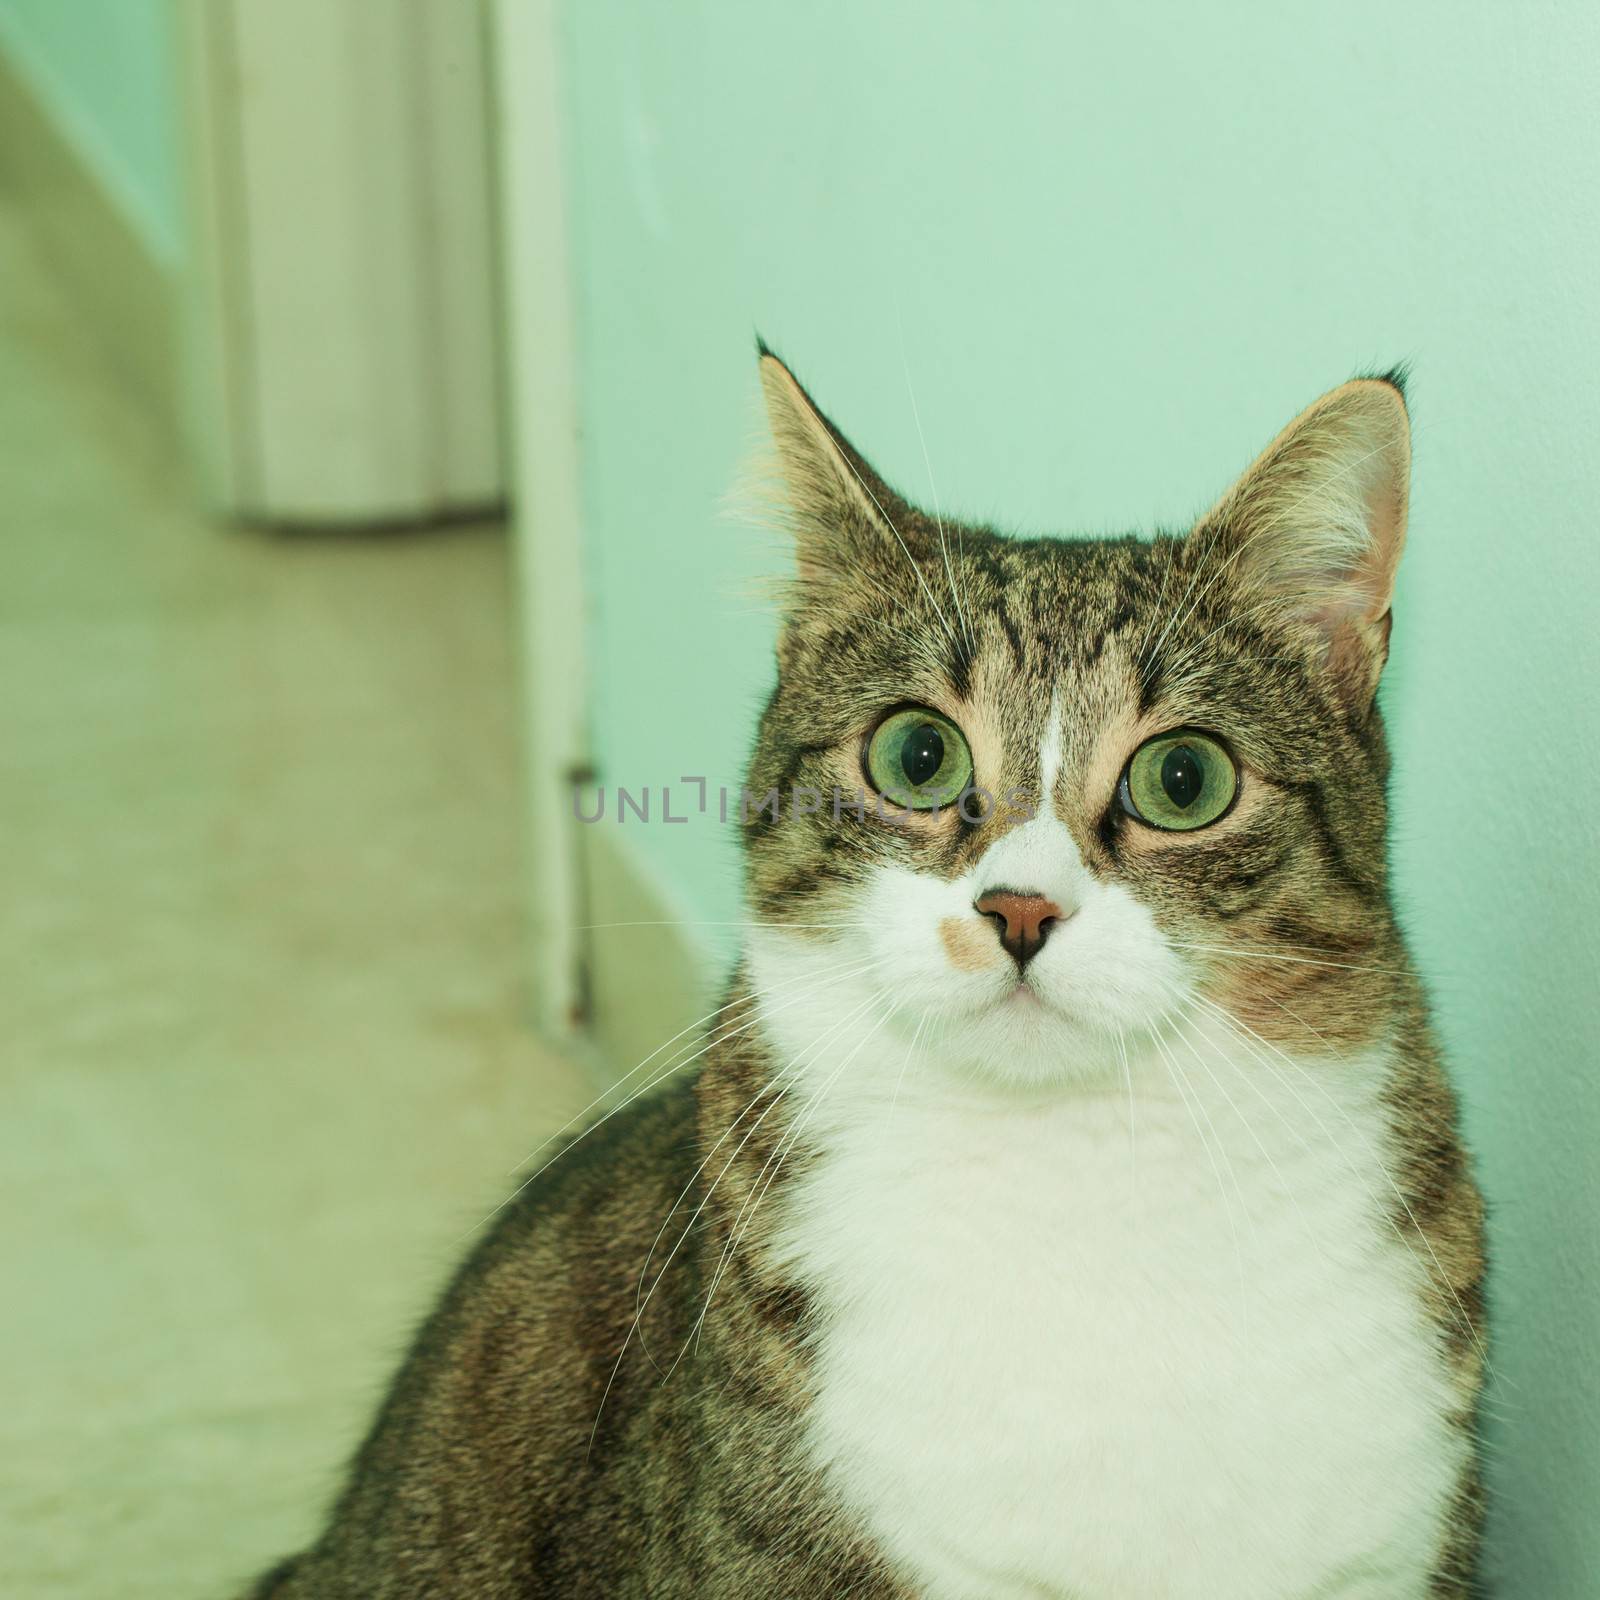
[(1179, 781), (919, 759)]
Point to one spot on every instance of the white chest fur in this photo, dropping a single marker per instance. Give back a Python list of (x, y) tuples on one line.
[(1131, 1344)]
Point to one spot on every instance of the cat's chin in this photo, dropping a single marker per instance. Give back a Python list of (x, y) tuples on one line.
[(1029, 1040)]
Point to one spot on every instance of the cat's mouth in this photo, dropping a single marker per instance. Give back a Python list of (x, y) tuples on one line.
[(1022, 999)]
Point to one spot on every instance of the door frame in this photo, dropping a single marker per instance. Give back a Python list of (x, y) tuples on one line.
[(544, 455)]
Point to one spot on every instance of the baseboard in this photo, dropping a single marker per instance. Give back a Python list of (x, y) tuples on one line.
[(126, 295), (648, 979)]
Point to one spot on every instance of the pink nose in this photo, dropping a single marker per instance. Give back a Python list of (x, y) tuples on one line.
[(1023, 920)]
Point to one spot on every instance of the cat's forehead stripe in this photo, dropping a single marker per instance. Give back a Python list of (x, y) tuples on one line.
[(1050, 751)]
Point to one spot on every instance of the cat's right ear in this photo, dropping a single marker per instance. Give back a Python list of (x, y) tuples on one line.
[(834, 503)]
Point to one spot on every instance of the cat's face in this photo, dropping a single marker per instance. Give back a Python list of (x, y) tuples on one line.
[(1043, 796)]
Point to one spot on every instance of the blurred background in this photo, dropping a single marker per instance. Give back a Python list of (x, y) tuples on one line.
[(371, 380)]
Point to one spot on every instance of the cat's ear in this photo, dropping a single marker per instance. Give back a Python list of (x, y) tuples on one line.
[(1315, 527), (834, 502)]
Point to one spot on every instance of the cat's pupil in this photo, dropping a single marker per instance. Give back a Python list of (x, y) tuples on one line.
[(1182, 776), (922, 754)]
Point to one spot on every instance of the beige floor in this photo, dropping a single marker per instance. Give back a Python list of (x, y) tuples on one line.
[(262, 1051)]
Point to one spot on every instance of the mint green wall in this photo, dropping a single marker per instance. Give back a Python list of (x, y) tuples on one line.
[(106, 69), (1124, 245)]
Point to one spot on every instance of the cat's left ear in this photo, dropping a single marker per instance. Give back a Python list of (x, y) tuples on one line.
[(1315, 527), (836, 504)]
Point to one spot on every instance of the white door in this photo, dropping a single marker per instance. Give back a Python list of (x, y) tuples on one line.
[(342, 326)]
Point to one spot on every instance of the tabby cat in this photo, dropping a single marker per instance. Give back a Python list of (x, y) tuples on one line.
[(1068, 1204)]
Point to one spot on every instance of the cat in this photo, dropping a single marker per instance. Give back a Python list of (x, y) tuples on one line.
[(1069, 1203)]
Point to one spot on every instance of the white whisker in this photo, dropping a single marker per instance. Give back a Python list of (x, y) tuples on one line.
[(661, 1077), (744, 1002), (1133, 1145), (1274, 955), (944, 543), (911, 560), (905, 1061), (1173, 548), (1184, 1093), (1439, 1275), (758, 1189), (788, 1076), (1277, 1171), (781, 1082), (693, 923)]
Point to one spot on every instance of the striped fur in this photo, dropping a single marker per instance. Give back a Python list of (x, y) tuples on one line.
[(641, 1382)]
